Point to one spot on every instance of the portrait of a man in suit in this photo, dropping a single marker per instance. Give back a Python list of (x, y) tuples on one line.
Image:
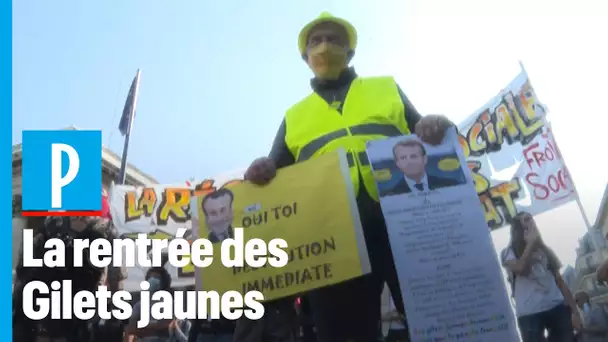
[(217, 207), (411, 159)]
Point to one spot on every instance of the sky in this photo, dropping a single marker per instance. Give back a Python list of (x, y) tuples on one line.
[(217, 76)]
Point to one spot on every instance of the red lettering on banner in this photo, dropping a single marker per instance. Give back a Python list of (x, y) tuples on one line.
[(538, 157), (554, 184)]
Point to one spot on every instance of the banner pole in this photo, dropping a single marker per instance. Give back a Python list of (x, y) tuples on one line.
[(588, 223), (590, 228), (578, 198)]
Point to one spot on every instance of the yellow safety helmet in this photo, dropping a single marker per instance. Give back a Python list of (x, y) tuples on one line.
[(323, 18)]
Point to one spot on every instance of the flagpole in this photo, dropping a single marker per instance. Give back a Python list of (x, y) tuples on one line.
[(577, 197), (125, 150)]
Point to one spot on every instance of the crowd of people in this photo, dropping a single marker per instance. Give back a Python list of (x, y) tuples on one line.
[(546, 308), (282, 322), (344, 111)]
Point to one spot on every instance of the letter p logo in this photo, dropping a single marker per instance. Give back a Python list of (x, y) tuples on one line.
[(58, 180), (61, 171)]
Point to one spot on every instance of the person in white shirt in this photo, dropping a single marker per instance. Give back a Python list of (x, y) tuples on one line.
[(542, 298), (410, 157)]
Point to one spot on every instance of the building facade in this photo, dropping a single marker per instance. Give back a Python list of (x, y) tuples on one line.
[(602, 216), (592, 252), (110, 170)]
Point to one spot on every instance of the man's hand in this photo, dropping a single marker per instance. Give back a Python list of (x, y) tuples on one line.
[(261, 171), (431, 128)]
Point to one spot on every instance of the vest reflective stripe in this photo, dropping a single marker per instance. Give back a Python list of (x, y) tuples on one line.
[(364, 129), (372, 110), (362, 156)]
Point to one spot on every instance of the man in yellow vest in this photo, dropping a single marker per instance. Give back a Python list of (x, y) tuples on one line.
[(346, 111)]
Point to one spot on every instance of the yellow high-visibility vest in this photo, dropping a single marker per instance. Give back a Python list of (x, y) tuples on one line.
[(372, 110)]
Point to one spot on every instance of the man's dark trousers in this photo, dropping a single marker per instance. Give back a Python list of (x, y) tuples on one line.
[(400, 335), (350, 311)]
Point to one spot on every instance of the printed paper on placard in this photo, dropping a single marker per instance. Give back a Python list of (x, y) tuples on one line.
[(450, 277)]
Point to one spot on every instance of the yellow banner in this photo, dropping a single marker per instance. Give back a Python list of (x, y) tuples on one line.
[(311, 206)]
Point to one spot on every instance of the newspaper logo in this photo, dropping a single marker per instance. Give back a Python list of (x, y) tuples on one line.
[(61, 173)]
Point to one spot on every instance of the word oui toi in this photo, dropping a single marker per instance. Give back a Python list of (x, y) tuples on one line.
[(145, 252), (276, 213)]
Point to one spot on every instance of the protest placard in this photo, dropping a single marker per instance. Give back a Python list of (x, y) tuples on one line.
[(450, 277), (159, 211), (515, 161), (311, 206), (160, 207)]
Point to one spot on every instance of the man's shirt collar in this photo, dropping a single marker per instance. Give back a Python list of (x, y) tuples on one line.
[(412, 184), (345, 78)]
